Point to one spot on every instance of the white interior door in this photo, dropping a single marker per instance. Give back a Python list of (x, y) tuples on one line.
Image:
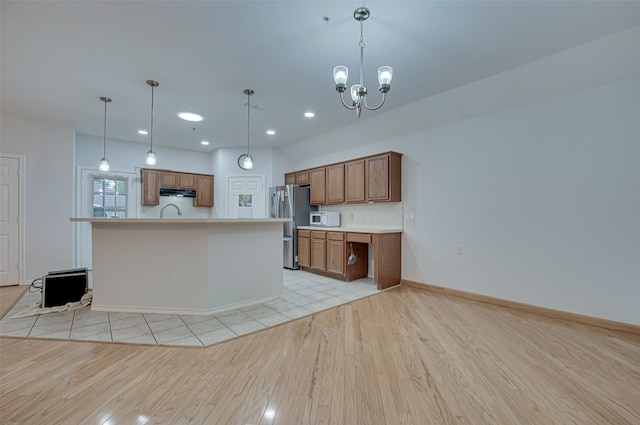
[(246, 197), (10, 221)]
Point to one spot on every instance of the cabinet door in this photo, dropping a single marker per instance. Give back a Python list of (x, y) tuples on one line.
[(187, 181), (354, 181), (335, 184), (150, 187), (335, 252), (384, 177), (290, 178), (378, 178), (318, 250), (303, 178), (304, 251), (204, 191), (170, 180), (318, 188)]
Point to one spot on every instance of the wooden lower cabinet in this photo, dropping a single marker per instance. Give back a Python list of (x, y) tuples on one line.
[(304, 248), (318, 250), (336, 260), (327, 253)]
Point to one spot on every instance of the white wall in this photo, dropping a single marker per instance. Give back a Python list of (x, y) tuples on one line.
[(126, 156), (539, 186), (48, 148)]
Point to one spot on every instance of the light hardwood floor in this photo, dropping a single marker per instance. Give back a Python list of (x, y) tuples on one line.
[(404, 356)]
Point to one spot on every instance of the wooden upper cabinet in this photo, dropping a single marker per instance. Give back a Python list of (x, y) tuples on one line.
[(303, 178), (153, 180), (354, 181), (383, 178), (376, 178), (335, 184), (170, 180), (290, 178), (187, 181), (175, 180), (150, 187), (318, 186), (204, 191)]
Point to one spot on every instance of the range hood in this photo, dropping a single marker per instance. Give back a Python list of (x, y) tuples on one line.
[(185, 193)]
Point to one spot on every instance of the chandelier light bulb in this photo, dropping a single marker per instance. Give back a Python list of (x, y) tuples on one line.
[(340, 75), (385, 74)]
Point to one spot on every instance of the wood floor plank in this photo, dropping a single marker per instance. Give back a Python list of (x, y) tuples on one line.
[(405, 356)]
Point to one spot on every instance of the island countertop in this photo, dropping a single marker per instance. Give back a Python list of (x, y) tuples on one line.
[(179, 220)]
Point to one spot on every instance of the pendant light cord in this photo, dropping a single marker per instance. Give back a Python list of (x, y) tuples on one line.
[(104, 139), (151, 129), (248, 120)]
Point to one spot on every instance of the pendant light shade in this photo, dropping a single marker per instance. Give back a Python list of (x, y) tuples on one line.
[(151, 155), (104, 162), (245, 161)]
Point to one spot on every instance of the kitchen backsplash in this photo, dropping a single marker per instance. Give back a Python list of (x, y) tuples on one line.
[(378, 214)]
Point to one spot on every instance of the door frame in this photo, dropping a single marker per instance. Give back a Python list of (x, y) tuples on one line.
[(22, 172)]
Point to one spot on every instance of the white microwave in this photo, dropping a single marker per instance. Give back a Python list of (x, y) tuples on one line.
[(324, 219)]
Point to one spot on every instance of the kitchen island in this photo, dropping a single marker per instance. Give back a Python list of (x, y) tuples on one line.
[(184, 266)]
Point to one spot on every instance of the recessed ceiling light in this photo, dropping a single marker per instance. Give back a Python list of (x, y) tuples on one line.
[(271, 132), (190, 116), (143, 132), (309, 114), (204, 142)]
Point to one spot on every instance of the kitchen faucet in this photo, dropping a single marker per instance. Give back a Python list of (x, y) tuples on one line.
[(170, 205)]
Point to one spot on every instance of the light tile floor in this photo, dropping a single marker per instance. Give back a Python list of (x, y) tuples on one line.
[(304, 293)]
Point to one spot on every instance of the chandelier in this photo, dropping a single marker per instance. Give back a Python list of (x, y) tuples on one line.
[(359, 91)]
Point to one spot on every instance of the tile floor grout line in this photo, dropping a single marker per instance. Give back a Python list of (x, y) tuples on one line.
[(290, 305)]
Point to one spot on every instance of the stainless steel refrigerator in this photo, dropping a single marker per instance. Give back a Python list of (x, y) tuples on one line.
[(290, 201)]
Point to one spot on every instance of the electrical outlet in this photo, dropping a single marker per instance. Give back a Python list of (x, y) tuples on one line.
[(350, 216), (410, 217), (459, 250), (366, 217)]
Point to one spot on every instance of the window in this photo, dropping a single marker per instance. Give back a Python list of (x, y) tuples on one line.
[(110, 197)]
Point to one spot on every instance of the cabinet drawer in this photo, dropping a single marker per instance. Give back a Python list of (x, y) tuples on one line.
[(318, 235), (335, 236), (304, 233), (359, 237)]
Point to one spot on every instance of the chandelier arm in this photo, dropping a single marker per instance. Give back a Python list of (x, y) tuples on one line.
[(377, 107), (343, 102)]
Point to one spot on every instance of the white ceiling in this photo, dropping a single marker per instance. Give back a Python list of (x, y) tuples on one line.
[(59, 57)]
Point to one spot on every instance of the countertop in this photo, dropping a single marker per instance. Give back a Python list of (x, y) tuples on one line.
[(355, 229), (179, 220)]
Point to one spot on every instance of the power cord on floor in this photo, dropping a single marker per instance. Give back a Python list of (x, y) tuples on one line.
[(35, 287)]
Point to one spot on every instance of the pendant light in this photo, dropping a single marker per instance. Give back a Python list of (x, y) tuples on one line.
[(104, 162), (151, 155), (245, 161)]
